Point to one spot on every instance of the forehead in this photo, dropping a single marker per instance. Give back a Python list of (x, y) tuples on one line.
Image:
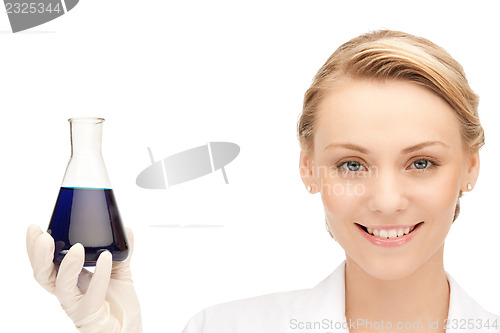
[(390, 113)]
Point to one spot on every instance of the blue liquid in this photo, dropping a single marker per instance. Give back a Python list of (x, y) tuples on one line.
[(90, 217)]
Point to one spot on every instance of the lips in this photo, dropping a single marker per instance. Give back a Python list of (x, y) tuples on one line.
[(389, 236)]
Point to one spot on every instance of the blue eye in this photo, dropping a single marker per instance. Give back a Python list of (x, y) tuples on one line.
[(351, 166), (423, 164)]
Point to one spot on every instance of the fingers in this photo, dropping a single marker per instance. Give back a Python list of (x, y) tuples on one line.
[(94, 298), (66, 288), (40, 247), (98, 285)]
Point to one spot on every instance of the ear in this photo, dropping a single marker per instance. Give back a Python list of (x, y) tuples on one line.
[(306, 164), (472, 171)]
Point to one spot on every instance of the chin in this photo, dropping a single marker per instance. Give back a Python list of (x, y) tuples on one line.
[(388, 269)]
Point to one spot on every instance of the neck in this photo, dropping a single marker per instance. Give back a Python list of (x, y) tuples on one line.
[(421, 297)]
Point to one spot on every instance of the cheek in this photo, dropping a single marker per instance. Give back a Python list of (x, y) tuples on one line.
[(339, 196), (439, 195), (342, 202)]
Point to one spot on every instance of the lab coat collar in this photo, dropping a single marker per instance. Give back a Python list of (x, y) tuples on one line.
[(466, 315), (323, 307), (325, 304)]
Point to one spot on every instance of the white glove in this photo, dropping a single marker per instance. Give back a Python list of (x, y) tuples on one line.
[(103, 301)]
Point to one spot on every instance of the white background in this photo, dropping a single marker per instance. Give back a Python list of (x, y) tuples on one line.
[(172, 75)]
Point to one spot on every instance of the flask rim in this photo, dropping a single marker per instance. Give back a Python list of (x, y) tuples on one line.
[(86, 120)]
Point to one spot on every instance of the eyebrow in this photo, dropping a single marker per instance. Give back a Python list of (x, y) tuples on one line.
[(404, 151)]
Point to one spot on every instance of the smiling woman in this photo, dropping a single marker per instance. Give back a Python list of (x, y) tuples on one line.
[(390, 138), (397, 109)]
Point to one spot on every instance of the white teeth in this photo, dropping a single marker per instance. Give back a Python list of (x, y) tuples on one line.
[(390, 233)]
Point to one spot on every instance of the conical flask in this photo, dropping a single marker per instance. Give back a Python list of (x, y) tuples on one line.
[(85, 211)]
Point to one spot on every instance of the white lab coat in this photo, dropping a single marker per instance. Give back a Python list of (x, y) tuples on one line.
[(321, 310)]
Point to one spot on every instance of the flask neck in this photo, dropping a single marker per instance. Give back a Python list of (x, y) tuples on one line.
[(86, 166), (86, 136)]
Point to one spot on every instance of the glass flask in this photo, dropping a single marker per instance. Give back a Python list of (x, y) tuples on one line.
[(85, 211)]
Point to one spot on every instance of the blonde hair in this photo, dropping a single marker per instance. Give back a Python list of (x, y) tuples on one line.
[(386, 54)]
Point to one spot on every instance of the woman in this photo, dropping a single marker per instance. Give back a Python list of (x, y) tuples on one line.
[(390, 137)]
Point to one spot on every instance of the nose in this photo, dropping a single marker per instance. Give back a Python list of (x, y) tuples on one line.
[(388, 193)]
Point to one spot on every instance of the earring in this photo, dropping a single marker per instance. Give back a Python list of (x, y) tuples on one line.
[(469, 187), (309, 188)]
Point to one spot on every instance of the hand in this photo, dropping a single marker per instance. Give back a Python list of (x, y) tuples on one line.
[(103, 301)]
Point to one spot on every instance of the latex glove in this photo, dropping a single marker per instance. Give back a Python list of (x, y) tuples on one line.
[(103, 301)]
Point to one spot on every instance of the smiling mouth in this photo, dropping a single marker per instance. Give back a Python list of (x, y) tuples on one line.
[(390, 233)]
